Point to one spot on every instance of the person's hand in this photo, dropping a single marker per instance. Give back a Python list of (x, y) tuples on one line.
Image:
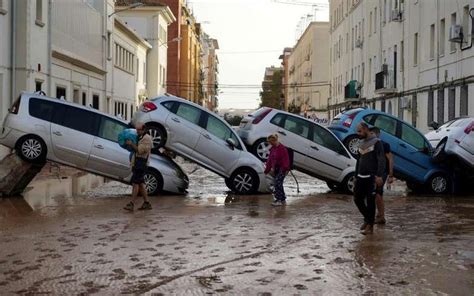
[(390, 179), (379, 181)]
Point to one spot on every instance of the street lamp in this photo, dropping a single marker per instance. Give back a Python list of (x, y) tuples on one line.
[(132, 6)]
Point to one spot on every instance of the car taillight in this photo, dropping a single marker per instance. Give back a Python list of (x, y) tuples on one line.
[(469, 128), (14, 109), (259, 118), (148, 106), (350, 119)]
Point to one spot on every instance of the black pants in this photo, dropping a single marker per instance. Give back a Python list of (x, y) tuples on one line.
[(139, 170), (364, 198)]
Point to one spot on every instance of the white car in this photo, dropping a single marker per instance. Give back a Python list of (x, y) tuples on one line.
[(41, 128), (204, 138), (455, 138), (317, 151)]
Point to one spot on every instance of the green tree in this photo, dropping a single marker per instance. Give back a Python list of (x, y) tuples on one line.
[(233, 120), (270, 95)]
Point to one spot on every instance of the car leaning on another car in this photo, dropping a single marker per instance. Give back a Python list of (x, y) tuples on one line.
[(204, 138), (316, 150), (412, 152), (41, 128), (454, 138)]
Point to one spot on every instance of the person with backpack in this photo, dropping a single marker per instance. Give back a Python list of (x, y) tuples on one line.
[(141, 153), (370, 168), (278, 166)]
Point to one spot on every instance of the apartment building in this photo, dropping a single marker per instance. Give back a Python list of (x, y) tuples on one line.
[(210, 71), (284, 57), (412, 59)]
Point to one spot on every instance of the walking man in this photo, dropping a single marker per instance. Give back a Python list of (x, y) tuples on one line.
[(139, 166), (370, 168), (278, 165), (387, 177)]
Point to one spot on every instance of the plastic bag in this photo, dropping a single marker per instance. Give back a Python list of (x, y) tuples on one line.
[(128, 134)]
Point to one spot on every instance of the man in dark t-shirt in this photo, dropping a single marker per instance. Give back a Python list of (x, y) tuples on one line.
[(388, 177)]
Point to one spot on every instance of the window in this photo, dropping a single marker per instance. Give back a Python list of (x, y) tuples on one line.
[(95, 102), (278, 119), (442, 36), (38, 85), (144, 72), (109, 46), (297, 125), (370, 70), (189, 113), (466, 19), (370, 23), (124, 59), (415, 49), (414, 110), (453, 23), (60, 92), (384, 11), (41, 109), (79, 120), (324, 138), (110, 128), (382, 106), (402, 56), (451, 103), (412, 137), (168, 105), (432, 41), (39, 12), (375, 20), (463, 101), (440, 106), (84, 99), (430, 107), (387, 124), (218, 128), (137, 70)]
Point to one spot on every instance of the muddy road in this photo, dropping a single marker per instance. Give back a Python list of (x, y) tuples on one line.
[(212, 242)]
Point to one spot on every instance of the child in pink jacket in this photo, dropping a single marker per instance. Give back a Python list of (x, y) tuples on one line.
[(278, 165)]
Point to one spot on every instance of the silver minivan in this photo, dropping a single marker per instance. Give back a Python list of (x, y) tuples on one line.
[(41, 128)]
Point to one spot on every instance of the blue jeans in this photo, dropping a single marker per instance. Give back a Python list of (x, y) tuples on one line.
[(279, 190)]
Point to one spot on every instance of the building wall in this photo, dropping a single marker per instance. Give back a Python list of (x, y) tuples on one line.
[(190, 69), (5, 59)]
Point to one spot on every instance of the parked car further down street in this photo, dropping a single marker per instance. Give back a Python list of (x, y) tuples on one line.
[(42, 128), (317, 151), (454, 138), (412, 152), (204, 138)]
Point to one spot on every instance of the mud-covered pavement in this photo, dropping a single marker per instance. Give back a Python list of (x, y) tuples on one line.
[(214, 242)]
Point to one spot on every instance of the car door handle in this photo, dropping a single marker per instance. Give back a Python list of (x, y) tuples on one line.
[(99, 146), (206, 136), (58, 133), (281, 132), (403, 145), (175, 119), (315, 148)]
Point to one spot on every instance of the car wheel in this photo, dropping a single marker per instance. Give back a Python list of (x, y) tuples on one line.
[(244, 181), (261, 149), (153, 182), (348, 184), (333, 186), (158, 136), (352, 143), (438, 184), (31, 149), (439, 155)]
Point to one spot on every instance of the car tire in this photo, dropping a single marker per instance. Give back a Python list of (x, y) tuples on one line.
[(333, 186), (32, 149), (261, 149), (153, 182), (158, 136), (244, 181), (352, 144), (438, 184), (228, 183), (439, 155), (348, 184)]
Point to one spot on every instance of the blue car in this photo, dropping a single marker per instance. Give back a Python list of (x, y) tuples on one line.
[(411, 150)]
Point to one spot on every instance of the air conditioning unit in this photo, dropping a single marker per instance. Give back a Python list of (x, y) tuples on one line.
[(396, 16), (359, 43), (456, 34), (405, 103)]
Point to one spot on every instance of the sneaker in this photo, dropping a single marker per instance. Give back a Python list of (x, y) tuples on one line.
[(277, 203), (145, 206), (364, 226), (380, 220), (129, 207), (368, 230)]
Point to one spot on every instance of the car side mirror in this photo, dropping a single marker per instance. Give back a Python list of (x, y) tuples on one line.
[(231, 143), (434, 125), (425, 150)]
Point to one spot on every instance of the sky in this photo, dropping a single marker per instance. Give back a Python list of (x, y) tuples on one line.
[(252, 35)]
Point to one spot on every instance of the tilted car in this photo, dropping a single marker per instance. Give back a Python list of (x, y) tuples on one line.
[(316, 150), (41, 128), (204, 138), (412, 152), (454, 138)]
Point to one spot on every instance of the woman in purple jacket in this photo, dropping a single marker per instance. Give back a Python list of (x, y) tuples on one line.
[(278, 165)]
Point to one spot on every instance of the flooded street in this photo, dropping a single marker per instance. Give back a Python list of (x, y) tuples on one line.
[(212, 241)]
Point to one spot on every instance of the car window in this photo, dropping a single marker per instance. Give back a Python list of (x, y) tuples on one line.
[(412, 137), (41, 109), (217, 128), (297, 125), (79, 120), (258, 112), (387, 124), (189, 113), (278, 119), (324, 138), (110, 128), (369, 118), (168, 105)]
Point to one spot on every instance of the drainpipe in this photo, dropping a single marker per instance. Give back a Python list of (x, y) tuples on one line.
[(50, 47), (13, 4), (437, 39)]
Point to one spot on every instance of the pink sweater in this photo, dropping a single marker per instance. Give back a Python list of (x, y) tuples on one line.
[(278, 160)]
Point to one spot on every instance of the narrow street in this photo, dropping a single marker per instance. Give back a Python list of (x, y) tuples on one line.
[(211, 241)]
